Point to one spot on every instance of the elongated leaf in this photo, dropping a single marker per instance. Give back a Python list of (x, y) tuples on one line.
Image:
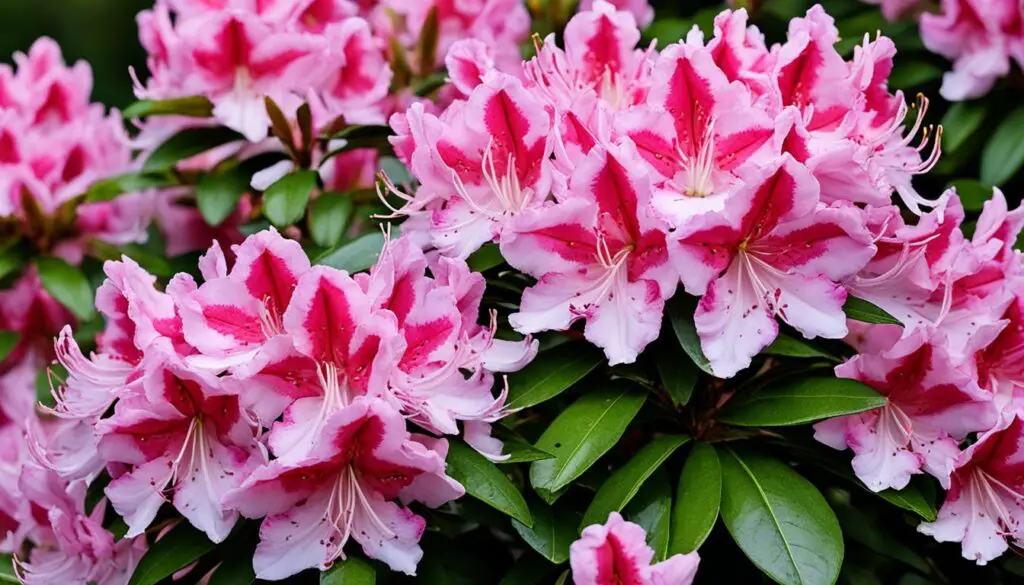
[(868, 312), (652, 510), (328, 218), (284, 202), (912, 499), (1003, 154), (583, 433), (680, 310), (357, 255), (186, 144), (959, 123), (195, 106), (553, 530), (7, 569), (111, 187), (426, 45), (8, 341), (218, 193), (779, 520), (67, 284), (799, 401), (678, 372), (787, 346), (351, 571), (355, 137), (909, 74), (485, 482), (861, 527), (485, 258), (177, 549), (551, 373), (623, 485), (698, 498), (517, 448)]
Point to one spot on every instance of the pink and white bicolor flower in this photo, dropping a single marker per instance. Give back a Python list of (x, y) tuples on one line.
[(598, 255), (344, 488), (182, 433), (932, 404), (774, 251), (617, 552), (985, 502)]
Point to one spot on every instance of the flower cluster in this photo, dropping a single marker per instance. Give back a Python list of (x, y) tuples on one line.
[(280, 390), (612, 173)]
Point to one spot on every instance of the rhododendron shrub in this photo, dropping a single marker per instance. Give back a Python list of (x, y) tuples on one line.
[(399, 292)]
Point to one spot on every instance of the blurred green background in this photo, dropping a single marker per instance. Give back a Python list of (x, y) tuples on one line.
[(102, 32)]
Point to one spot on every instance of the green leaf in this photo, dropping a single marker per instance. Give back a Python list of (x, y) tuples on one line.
[(788, 346), (7, 569), (12, 258), (563, 579), (351, 571), (8, 341), (799, 401), (177, 549), (553, 530), (908, 74), (68, 284), (678, 372), (195, 106), (551, 373), (652, 510), (218, 193), (960, 122), (973, 193), (517, 448), (680, 311), (111, 187), (582, 433), (186, 144), (698, 498), (912, 499), (237, 551), (868, 312), (487, 257), (623, 485), (357, 255), (859, 526), (328, 218), (485, 482), (426, 45), (284, 202), (356, 137), (780, 520), (1003, 154)]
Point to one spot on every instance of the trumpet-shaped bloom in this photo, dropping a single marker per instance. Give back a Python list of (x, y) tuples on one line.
[(617, 552)]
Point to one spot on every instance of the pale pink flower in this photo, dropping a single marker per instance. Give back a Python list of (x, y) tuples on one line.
[(640, 9), (985, 502), (617, 552)]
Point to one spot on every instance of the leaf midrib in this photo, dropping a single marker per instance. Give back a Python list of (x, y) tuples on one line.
[(561, 468), (514, 403)]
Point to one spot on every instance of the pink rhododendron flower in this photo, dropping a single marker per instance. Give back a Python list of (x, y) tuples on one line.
[(982, 38), (617, 552), (985, 502), (932, 404), (345, 486), (640, 9)]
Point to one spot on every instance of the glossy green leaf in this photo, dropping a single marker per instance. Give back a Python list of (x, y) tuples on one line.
[(111, 187), (351, 571), (779, 520), (961, 121), (195, 106), (357, 255), (868, 312), (186, 144), (218, 193), (973, 193), (677, 371), (7, 569), (799, 401), (517, 448), (485, 482), (67, 284), (912, 499), (623, 485), (698, 498), (328, 218), (912, 73), (551, 373), (582, 433), (553, 530), (1003, 154), (788, 346), (284, 202), (8, 341), (487, 257), (680, 310), (651, 509), (177, 549), (563, 579)]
